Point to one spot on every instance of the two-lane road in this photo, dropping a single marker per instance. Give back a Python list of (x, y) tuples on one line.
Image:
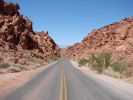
[(62, 81)]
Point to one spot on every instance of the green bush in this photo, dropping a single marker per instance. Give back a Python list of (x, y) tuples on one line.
[(53, 58), (107, 58), (82, 62), (97, 63), (100, 61), (4, 65), (118, 66)]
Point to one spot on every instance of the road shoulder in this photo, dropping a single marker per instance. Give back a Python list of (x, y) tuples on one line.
[(117, 83), (11, 81)]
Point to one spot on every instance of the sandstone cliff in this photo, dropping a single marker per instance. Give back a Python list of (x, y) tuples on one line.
[(17, 38), (114, 37)]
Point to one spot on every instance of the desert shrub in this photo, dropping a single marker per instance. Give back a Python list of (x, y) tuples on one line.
[(30, 59), (92, 59), (53, 58), (119, 66), (4, 65), (82, 62), (16, 65), (107, 58), (97, 63), (101, 61), (15, 69)]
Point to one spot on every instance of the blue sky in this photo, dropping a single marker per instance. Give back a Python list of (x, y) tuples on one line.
[(69, 21)]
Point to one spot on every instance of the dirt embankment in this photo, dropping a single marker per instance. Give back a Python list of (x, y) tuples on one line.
[(11, 81)]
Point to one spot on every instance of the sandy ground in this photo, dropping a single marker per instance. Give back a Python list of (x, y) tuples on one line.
[(118, 83), (11, 81)]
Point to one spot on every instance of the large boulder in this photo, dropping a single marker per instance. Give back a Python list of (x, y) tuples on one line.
[(16, 33)]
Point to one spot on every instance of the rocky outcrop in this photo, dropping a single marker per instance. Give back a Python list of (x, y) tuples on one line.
[(46, 45), (15, 29), (8, 8), (116, 37), (18, 40)]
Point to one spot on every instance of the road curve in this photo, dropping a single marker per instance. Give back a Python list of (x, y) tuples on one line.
[(62, 81)]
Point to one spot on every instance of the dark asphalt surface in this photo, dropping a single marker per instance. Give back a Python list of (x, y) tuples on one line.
[(47, 86)]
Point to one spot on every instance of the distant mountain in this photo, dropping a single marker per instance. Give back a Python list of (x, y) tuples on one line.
[(64, 46)]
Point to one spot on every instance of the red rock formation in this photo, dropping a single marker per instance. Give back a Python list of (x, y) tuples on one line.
[(46, 44), (15, 29), (111, 37), (17, 35)]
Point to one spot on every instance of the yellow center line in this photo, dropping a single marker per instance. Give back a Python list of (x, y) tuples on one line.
[(63, 87)]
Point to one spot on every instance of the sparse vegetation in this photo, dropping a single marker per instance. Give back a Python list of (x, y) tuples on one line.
[(4, 65), (104, 63), (15, 69), (101, 61), (53, 58), (107, 59), (82, 62), (119, 66)]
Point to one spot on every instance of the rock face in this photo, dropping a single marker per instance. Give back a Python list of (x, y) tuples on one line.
[(116, 37), (17, 36), (8, 8), (46, 45), (15, 29)]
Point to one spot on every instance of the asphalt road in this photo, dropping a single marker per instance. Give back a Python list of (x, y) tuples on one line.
[(62, 81)]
